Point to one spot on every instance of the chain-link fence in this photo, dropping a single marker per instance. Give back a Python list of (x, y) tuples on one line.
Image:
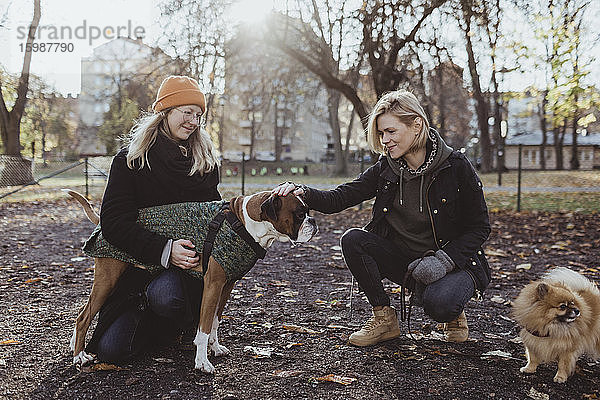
[(38, 179), (539, 189)]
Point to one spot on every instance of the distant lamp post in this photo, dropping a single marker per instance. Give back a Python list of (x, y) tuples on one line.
[(222, 100)]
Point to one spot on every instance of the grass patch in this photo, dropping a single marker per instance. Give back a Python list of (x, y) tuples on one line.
[(274, 180), (545, 178), (587, 203), (49, 189)]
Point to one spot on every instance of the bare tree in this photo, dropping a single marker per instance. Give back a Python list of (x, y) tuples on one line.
[(324, 40), (323, 27), (558, 26), (381, 26), (450, 111), (196, 31), (250, 72), (467, 23), (10, 121)]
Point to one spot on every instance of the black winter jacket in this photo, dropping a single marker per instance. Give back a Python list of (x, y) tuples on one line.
[(165, 182), (128, 190), (457, 209)]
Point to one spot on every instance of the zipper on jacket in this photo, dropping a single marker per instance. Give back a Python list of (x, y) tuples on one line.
[(435, 239), (477, 293)]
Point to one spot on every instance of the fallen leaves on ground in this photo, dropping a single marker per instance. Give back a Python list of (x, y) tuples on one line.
[(258, 352), (344, 380), (103, 367), (300, 329), (534, 394), (498, 353), (280, 373)]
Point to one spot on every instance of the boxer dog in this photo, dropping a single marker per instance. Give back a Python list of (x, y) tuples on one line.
[(265, 216)]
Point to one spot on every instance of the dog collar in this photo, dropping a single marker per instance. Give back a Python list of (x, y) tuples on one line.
[(236, 225)]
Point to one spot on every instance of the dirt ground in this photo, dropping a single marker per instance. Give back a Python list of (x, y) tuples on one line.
[(293, 308)]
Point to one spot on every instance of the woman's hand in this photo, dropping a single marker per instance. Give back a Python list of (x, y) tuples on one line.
[(285, 188), (183, 254)]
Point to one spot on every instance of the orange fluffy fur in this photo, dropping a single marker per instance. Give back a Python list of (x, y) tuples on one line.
[(560, 319)]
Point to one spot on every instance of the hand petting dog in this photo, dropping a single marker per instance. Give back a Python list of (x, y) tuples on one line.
[(288, 187)]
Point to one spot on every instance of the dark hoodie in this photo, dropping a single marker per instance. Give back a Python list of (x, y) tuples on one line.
[(409, 216)]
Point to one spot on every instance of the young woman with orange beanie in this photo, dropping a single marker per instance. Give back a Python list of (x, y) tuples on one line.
[(169, 159)]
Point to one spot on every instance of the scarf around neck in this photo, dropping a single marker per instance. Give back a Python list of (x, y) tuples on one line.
[(437, 152)]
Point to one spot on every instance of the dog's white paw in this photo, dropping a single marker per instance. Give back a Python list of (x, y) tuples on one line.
[(201, 361), (560, 378), (204, 365), (72, 342), (82, 359), (528, 369), (220, 350)]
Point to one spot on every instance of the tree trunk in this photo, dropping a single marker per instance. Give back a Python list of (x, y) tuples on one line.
[(544, 128), (252, 136), (349, 135), (497, 120), (574, 149), (482, 110), (481, 104), (278, 146), (441, 102), (333, 104), (17, 171), (559, 134)]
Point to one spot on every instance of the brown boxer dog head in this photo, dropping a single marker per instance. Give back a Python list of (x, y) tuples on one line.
[(289, 216)]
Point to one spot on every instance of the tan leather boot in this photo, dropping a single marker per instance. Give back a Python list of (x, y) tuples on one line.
[(457, 331), (383, 325)]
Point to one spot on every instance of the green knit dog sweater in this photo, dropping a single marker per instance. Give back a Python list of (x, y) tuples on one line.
[(184, 221)]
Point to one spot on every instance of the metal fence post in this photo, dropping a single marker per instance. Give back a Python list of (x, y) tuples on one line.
[(243, 172), (87, 191), (499, 166), (519, 180)]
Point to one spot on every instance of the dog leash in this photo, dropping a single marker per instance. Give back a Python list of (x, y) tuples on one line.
[(406, 309), (351, 295), (238, 227)]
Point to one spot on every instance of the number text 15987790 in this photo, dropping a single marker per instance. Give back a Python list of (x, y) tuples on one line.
[(47, 47)]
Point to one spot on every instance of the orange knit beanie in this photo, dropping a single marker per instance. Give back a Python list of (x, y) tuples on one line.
[(178, 91)]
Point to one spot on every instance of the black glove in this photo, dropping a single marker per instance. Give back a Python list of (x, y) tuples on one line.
[(429, 269)]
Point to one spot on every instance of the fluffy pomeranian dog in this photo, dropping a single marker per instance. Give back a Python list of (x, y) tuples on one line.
[(560, 319)]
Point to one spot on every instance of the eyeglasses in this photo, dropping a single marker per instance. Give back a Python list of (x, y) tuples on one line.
[(189, 116)]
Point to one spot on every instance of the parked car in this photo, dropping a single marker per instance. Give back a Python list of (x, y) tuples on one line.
[(265, 156), (233, 155)]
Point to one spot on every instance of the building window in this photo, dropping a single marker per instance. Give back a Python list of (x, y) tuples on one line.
[(531, 156), (585, 155)]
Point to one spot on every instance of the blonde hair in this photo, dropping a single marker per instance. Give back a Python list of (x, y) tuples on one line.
[(407, 108), (143, 135)]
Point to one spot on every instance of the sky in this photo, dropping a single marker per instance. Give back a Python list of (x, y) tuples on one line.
[(92, 23)]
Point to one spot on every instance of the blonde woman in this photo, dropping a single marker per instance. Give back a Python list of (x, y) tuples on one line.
[(169, 159), (429, 221)]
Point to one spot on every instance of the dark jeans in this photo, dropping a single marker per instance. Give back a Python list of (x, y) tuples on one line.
[(173, 301), (370, 258)]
